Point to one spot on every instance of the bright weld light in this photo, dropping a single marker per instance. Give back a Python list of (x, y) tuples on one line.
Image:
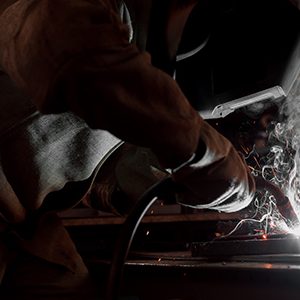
[(295, 231), (264, 236)]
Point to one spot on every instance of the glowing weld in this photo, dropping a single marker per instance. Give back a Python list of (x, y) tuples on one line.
[(280, 166)]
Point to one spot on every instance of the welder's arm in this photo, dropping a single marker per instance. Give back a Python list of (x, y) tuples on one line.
[(75, 55), (218, 178)]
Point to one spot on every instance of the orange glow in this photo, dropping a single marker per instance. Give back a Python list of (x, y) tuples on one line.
[(268, 266), (264, 236)]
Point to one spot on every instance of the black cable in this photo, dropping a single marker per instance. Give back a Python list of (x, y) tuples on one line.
[(128, 231)]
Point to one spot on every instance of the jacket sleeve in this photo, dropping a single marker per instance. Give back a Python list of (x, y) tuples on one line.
[(75, 55), (219, 180)]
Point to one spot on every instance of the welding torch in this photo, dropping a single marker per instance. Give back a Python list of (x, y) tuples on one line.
[(283, 203)]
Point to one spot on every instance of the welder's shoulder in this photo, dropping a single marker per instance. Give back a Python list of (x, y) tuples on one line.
[(55, 11)]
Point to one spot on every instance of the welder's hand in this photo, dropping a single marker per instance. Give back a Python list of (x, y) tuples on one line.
[(122, 179), (219, 179)]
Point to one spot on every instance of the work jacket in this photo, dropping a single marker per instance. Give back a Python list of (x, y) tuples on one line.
[(39, 155)]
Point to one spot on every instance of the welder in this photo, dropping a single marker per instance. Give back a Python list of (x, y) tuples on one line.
[(74, 86)]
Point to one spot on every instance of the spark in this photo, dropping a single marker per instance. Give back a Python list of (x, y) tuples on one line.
[(252, 152), (256, 162), (245, 149), (268, 266), (262, 219)]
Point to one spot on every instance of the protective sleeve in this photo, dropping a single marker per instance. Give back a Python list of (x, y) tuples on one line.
[(75, 55), (219, 180)]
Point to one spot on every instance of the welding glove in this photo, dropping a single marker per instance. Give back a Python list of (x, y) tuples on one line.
[(217, 178), (123, 177)]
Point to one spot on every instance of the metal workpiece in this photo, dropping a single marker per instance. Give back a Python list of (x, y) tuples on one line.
[(250, 246)]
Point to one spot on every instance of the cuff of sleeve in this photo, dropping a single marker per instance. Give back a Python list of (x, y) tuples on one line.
[(196, 157)]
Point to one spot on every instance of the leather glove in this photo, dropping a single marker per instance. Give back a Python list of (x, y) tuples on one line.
[(219, 179), (122, 178)]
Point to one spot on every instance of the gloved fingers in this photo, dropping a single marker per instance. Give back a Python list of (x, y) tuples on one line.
[(220, 180), (137, 171), (217, 195)]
